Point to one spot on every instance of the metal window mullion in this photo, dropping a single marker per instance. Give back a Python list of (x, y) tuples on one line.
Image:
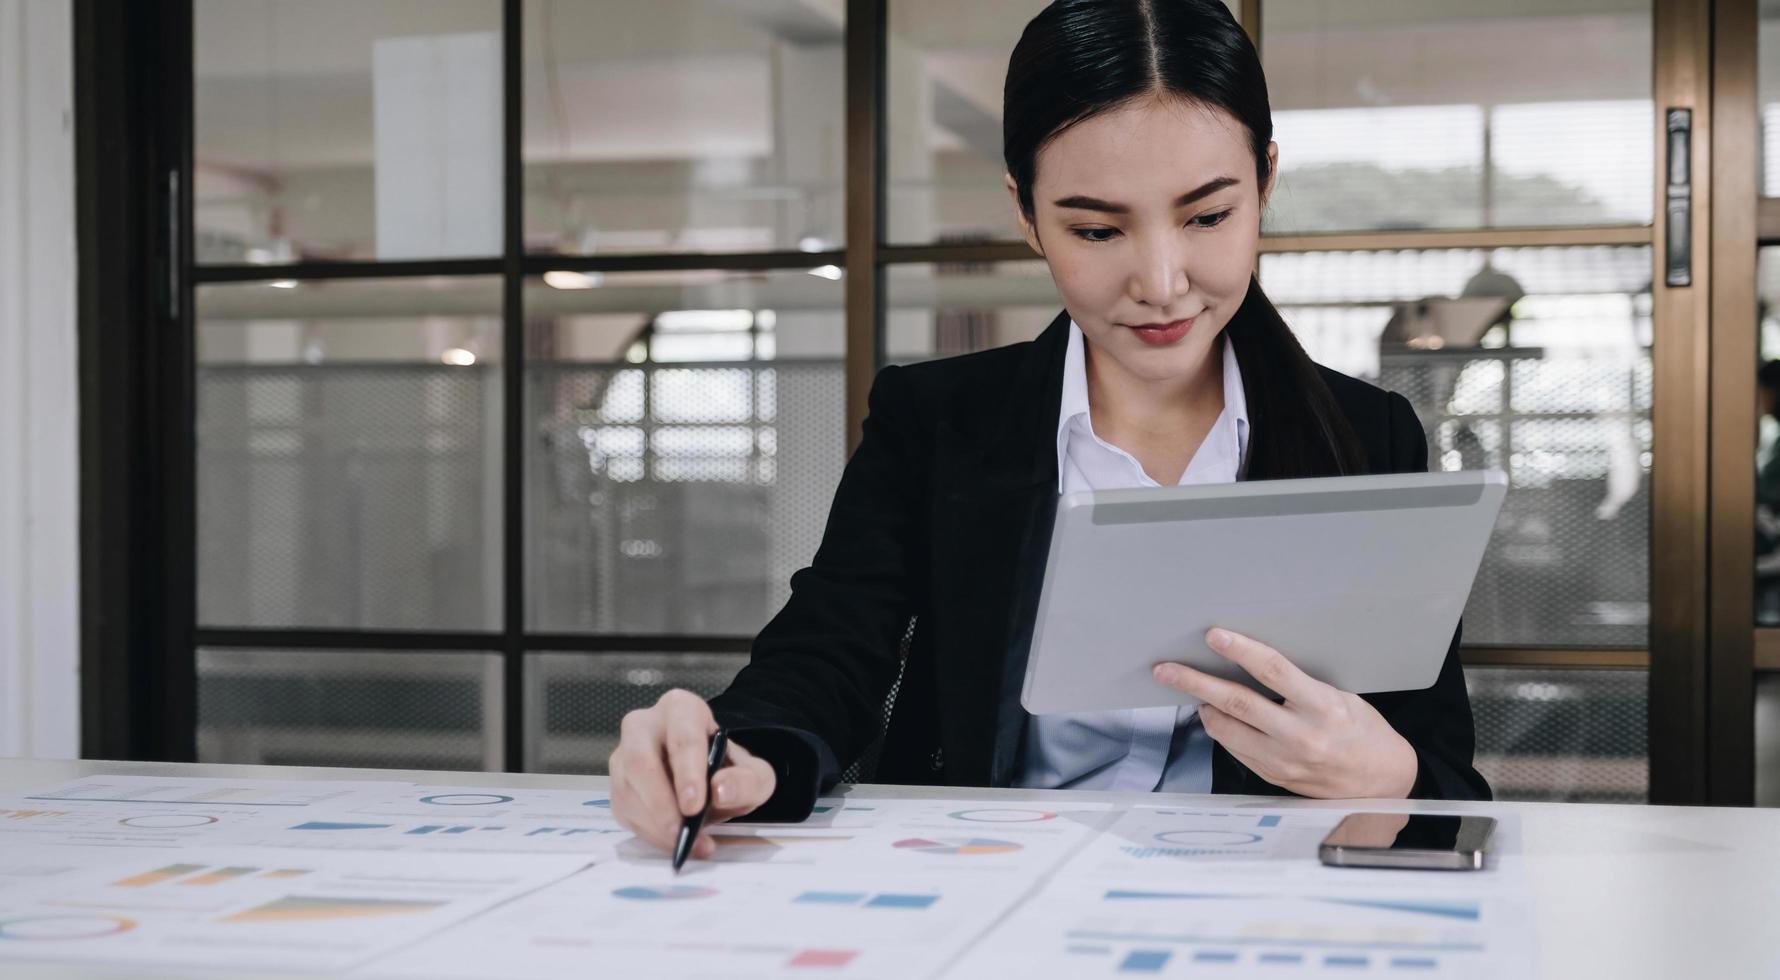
[(865, 57), (530, 265), (533, 265), (513, 390), (1733, 179), (352, 269), (1767, 218), (1680, 490), (178, 481), (448, 641), (1493, 655), (788, 261)]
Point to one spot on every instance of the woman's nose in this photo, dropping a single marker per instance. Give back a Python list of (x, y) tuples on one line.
[(1161, 275)]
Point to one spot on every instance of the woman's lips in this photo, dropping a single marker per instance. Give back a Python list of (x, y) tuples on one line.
[(1162, 334)]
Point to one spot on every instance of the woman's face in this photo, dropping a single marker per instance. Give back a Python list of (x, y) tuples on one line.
[(1149, 217)]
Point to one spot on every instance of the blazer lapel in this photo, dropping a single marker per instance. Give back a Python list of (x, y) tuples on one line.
[(995, 489)]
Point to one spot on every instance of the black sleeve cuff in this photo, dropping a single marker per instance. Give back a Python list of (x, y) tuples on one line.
[(1427, 784), (803, 766), (1436, 780)]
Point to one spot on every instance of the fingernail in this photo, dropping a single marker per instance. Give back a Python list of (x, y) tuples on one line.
[(721, 792), (686, 793), (1218, 639), (1165, 672)]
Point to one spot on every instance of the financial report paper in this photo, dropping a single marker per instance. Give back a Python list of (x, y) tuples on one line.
[(395, 881)]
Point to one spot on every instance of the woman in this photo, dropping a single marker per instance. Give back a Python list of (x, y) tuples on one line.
[(1137, 136)]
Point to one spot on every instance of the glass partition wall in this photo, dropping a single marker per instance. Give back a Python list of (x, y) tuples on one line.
[(509, 418), (520, 364)]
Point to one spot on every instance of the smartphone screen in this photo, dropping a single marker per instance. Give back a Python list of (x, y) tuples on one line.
[(1429, 832), (1407, 839)]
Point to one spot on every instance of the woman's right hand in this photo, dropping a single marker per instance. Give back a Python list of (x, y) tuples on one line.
[(658, 773)]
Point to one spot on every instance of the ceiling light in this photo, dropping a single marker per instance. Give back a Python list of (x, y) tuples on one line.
[(564, 279)]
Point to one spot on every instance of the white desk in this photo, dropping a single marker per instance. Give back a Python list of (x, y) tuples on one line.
[(1619, 891)]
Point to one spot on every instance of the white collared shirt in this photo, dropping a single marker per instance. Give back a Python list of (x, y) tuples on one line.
[(1142, 749)]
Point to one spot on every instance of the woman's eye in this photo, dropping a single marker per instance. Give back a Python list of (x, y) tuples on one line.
[(1107, 234)]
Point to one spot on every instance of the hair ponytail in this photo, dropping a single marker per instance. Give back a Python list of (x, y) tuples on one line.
[(1295, 427)]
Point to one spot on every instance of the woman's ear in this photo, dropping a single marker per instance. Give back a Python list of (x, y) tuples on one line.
[(1272, 173), (1026, 230)]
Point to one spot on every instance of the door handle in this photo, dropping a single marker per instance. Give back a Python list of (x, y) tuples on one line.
[(1678, 200)]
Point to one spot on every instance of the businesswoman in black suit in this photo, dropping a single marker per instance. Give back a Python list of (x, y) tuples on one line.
[(1137, 136)]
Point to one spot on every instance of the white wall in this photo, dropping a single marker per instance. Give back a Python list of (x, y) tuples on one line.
[(39, 444)]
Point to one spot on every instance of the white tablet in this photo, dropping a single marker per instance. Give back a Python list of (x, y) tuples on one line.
[(1358, 580)]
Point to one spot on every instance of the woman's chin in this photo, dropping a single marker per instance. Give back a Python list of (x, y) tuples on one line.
[(1159, 367)]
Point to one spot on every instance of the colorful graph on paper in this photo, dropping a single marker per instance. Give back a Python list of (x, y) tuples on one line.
[(957, 845)]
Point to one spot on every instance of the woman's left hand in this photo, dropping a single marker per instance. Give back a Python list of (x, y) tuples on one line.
[(1322, 742)]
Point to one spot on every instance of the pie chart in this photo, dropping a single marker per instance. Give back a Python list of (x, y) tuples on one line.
[(465, 799), (1208, 838), (957, 845), (52, 927), (168, 821), (1003, 816)]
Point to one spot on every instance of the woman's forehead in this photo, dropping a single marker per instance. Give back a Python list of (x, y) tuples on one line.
[(1152, 147)]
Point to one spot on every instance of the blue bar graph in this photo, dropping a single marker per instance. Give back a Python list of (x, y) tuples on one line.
[(1145, 961), (1214, 956), (902, 901), (1353, 961), (1282, 959), (427, 829), (884, 901), (1414, 963), (830, 898)]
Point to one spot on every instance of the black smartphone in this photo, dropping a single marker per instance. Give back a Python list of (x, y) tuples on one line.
[(1431, 841)]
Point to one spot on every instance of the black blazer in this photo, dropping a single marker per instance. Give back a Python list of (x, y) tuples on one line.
[(942, 518)]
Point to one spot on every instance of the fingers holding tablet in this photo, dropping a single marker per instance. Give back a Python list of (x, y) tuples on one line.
[(1321, 741)]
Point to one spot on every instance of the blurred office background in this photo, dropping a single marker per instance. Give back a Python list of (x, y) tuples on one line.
[(461, 460)]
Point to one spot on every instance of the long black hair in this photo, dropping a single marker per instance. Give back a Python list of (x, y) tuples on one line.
[(1080, 58)]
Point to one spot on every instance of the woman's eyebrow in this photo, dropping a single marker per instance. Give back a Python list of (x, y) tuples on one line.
[(1082, 202)]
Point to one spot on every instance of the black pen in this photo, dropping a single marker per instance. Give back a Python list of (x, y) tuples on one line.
[(689, 826)]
